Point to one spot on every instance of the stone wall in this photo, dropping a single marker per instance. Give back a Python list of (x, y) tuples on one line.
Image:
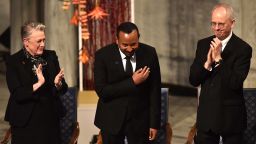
[(175, 26), (63, 38)]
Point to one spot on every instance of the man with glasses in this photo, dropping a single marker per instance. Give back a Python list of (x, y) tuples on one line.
[(220, 67), (35, 82)]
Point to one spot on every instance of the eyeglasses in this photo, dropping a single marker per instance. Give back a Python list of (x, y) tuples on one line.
[(220, 25)]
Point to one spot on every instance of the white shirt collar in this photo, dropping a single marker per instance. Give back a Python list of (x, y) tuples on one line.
[(123, 55), (225, 41)]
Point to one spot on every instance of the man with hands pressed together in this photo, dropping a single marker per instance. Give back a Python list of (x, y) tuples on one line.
[(128, 83), (220, 67), (35, 82)]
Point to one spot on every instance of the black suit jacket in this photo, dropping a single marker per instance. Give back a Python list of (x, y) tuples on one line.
[(221, 102), (19, 80), (119, 97)]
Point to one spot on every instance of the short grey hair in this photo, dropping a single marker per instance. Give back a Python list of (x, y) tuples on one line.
[(228, 8), (28, 27)]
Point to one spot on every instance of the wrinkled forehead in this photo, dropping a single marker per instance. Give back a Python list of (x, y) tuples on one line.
[(36, 34)]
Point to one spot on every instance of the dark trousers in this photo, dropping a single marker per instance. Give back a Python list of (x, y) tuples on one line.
[(132, 135), (119, 139), (214, 138)]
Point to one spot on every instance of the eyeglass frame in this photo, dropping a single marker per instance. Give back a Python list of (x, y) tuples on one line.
[(220, 25)]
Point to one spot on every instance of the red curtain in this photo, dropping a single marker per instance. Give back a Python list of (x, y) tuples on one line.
[(102, 32)]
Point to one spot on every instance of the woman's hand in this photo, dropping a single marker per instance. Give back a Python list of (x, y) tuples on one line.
[(40, 78), (58, 79)]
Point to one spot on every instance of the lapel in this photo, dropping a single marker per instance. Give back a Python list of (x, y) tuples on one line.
[(229, 47), (51, 71), (25, 66), (117, 60), (140, 57)]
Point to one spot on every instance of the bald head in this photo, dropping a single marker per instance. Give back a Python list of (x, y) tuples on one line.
[(225, 9)]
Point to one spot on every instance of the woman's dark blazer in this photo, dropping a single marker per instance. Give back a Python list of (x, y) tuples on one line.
[(19, 80)]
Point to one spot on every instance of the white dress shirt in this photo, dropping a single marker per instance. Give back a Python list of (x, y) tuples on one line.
[(133, 60)]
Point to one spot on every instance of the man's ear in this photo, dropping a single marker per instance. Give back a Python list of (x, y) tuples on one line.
[(233, 23)]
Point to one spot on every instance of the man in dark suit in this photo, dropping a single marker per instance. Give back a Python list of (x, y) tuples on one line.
[(220, 67), (35, 82), (128, 83)]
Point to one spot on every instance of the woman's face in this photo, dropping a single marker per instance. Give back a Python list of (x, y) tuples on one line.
[(35, 43)]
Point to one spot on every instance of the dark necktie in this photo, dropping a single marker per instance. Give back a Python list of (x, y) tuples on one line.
[(128, 66)]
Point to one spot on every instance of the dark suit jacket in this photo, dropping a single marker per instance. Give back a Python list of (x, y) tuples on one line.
[(221, 102), (119, 97), (22, 98)]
